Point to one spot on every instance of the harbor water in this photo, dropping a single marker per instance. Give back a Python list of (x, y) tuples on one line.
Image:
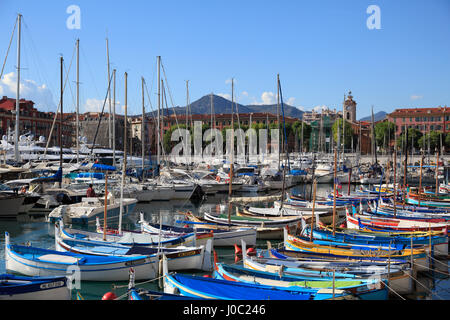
[(431, 285)]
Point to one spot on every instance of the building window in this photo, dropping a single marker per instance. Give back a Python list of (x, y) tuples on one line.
[(417, 119), (404, 119), (431, 127)]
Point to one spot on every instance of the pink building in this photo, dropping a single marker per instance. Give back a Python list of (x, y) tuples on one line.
[(423, 119)]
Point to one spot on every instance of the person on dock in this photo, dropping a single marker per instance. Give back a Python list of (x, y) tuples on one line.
[(90, 193)]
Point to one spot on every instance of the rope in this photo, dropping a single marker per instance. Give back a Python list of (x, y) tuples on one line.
[(7, 52), (434, 259), (423, 286), (138, 284), (394, 291)]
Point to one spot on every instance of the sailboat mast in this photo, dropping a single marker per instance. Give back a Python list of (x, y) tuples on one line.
[(109, 96), (278, 119), (16, 138), (114, 119), (334, 194), (78, 102), (143, 129), (61, 121), (343, 129), (124, 165), (230, 189), (158, 58)]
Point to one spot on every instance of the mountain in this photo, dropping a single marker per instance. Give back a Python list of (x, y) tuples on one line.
[(222, 105), (376, 117)]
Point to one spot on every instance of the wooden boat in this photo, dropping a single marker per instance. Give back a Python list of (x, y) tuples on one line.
[(396, 271), (357, 221), (130, 238), (296, 244), (262, 233), (14, 287), (278, 222), (179, 258), (362, 267), (209, 288), (364, 289), (221, 237), (277, 212), (440, 242), (33, 261), (266, 229)]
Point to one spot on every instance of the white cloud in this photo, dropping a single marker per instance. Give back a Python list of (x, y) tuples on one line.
[(96, 105), (269, 98), (228, 81), (291, 101), (320, 108), (225, 95), (245, 93), (93, 105), (29, 90), (416, 97)]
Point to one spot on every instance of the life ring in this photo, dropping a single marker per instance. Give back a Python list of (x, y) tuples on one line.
[(217, 178), (45, 173)]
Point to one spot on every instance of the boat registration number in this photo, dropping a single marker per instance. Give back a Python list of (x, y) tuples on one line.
[(135, 262), (51, 285)]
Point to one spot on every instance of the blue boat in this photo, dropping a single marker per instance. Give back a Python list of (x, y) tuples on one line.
[(217, 289), (365, 289), (14, 287)]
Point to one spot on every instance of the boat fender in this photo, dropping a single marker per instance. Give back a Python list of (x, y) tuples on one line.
[(206, 276), (237, 250), (109, 296), (251, 251)]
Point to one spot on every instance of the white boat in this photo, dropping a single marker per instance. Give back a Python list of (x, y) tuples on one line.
[(33, 261), (221, 237), (180, 257), (89, 208), (13, 287)]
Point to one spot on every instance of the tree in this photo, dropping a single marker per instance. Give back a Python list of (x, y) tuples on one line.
[(384, 133), (348, 135), (434, 137), (414, 135)]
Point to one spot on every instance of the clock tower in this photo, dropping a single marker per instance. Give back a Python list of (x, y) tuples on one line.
[(350, 108)]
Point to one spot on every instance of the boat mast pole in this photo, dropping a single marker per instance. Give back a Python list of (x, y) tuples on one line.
[(230, 189), (143, 129), (61, 122), (114, 119), (334, 195), (278, 119), (437, 168), (16, 138), (124, 165), (395, 184), (109, 96), (420, 178), (78, 102), (312, 211), (158, 58), (106, 206)]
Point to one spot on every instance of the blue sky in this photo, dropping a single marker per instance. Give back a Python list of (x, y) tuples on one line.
[(321, 49)]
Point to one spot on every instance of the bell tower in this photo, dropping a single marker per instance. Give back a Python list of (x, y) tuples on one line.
[(350, 108)]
